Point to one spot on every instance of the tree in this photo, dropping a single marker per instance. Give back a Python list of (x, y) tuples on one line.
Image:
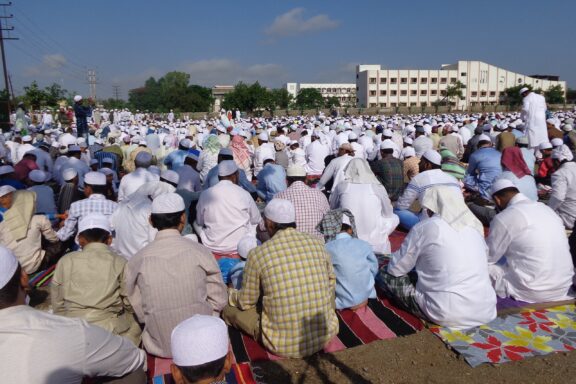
[(282, 98), (112, 103), (332, 102), (555, 95), (54, 94), (309, 98), (248, 98), (34, 96), (454, 91), (512, 95), (571, 95)]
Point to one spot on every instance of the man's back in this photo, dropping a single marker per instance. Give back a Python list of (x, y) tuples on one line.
[(563, 196), (390, 172)]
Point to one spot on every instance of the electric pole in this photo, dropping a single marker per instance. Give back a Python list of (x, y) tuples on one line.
[(5, 113), (92, 81), (116, 89)]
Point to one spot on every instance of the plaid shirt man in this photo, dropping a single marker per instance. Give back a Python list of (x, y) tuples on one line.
[(310, 205), (390, 172), (293, 274), (96, 203)]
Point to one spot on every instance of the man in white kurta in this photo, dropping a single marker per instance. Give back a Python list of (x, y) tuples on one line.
[(534, 115), (529, 256), (134, 180), (264, 151), (316, 152), (563, 195), (335, 170), (226, 212)]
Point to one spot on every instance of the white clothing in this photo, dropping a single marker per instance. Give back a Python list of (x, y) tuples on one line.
[(316, 152), (422, 144), (206, 161), (538, 266), (132, 227), (263, 152), (334, 170), (359, 152), (421, 182), (453, 287), (225, 214), (38, 347), (134, 180), (22, 149), (563, 196), (534, 115), (297, 157), (372, 212), (67, 139)]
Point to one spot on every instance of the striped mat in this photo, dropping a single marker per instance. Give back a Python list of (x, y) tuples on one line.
[(379, 320), (42, 278)]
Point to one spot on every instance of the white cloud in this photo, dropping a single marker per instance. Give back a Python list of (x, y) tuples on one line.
[(54, 61), (293, 23)]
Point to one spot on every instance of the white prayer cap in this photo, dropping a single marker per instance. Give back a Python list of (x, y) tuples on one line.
[(186, 143), (155, 170), (106, 171), (346, 146), (263, 136), (556, 142), (142, 142), (484, 138), (387, 144), (168, 203), (6, 169), (408, 140), (6, 189), (80, 140), (559, 155), (315, 134), (27, 138), (77, 98), (227, 168), (545, 145), (522, 140), (143, 158), (296, 171), (170, 176), (567, 127), (245, 245), (280, 211), (409, 152), (433, 157), (107, 160), (501, 184), (94, 220), (69, 173), (199, 340), (387, 132), (37, 176), (8, 265), (74, 148), (93, 161), (524, 89), (95, 178), (352, 136)]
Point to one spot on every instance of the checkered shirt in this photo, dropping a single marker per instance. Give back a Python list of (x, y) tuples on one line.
[(390, 172), (96, 203), (310, 205), (293, 275)]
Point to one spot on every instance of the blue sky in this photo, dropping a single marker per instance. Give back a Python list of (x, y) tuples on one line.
[(223, 42)]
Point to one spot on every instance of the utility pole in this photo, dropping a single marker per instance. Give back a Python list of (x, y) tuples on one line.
[(5, 113), (92, 81), (116, 89)]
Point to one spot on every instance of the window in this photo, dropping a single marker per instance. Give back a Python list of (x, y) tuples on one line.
[(443, 92), (383, 105), (357, 88), (403, 104), (383, 80), (433, 92), (373, 105), (393, 93), (443, 80), (403, 80), (519, 81), (434, 80), (372, 93), (403, 93), (483, 77), (413, 92), (474, 94), (393, 80), (372, 80), (483, 93), (423, 92), (463, 74), (423, 104), (382, 93), (413, 80), (393, 105), (423, 80), (452, 80), (492, 94), (412, 104)]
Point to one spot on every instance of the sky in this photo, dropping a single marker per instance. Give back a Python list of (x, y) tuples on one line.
[(274, 42)]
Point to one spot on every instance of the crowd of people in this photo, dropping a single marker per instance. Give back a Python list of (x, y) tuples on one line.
[(163, 231)]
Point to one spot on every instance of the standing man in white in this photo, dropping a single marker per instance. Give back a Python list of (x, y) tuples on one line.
[(534, 115)]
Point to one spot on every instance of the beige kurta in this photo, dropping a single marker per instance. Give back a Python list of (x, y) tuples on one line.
[(90, 285)]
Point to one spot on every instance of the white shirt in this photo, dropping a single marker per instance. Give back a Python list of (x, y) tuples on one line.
[(38, 347), (534, 115), (532, 239), (134, 180), (421, 144), (22, 149), (372, 212), (297, 157), (132, 227), (563, 196), (334, 170), (226, 213), (359, 151), (67, 139), (316, 152), (263, 152), (453, 287)]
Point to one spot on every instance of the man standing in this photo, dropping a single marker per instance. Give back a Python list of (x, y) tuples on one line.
[(81, 112), (172, 278), (531, 240), (534, 114), (292, 276)]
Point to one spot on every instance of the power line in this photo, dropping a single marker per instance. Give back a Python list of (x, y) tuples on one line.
[(116, 91), (5, 121), (92, 81)]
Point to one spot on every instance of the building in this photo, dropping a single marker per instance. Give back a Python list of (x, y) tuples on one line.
[(218, 93), (345, 93), (483, 85)]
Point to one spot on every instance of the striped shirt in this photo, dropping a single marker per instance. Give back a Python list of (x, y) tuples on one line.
[(421, 182), (293, 275)]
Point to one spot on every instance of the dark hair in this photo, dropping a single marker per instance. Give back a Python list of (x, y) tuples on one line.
[(168, 182), (268, 161), (503, 192), (387, 151), (345, 227), (162, 221), (189, 161), (203, 371), (9, 292), (293, 179), (222, 157), (98, 189), (95, 235), (281, 226)]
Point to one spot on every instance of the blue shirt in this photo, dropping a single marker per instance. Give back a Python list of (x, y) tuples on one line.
[(355, 266), (45, 202), (175, 159), (529, 158), (526, 185), (483, 167), (13, 183), (271, 180), (212, 179), (236, 274)]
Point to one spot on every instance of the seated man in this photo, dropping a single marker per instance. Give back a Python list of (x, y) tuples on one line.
[(545, 164), (448, 253), (89, 284), (563, 195), (529, 256), (211, 178), (172, 278), (292, 276), (389, 170), (38, 347), (355, 266), (271, 180), (45, 202), (201, 351), (483, 168)]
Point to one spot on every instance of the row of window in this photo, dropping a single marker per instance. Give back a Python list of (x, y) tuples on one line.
[(335, 90), (394, 105), (413, 80), (424, 92)]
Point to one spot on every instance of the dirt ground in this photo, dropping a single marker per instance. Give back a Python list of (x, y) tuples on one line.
[(419, 358)]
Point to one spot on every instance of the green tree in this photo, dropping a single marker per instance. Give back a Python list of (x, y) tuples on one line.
[(112, 103), (332, 102), (555, 95), (512, 95), (54, 94), (34, 96), (282, 98), (248, 98), (454, 91), (309, 98)]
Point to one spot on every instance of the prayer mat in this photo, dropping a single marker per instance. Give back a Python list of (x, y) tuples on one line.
[(42, 278), (513, 337), (159, 372), (379, 320)]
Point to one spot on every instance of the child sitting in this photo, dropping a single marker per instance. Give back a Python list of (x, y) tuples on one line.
[(245, 245)]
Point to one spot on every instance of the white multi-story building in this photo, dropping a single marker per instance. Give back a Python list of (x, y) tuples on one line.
[(483, 85), (345, 93)]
